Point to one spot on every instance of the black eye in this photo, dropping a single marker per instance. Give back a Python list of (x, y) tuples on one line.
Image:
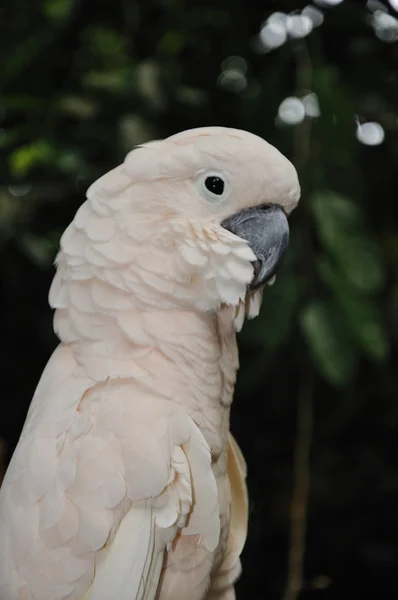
[(215, 185)]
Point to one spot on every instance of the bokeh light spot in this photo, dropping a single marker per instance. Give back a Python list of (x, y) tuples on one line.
[(291, 111), (370, 134)]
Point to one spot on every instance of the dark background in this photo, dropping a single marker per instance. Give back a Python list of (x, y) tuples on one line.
[(82, 82)]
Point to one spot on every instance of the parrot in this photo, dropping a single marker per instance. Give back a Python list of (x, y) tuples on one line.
[(126, 483)]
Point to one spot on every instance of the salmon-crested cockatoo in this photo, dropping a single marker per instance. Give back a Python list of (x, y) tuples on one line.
[(126, 483)]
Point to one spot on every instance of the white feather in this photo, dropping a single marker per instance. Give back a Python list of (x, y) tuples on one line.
[(123, 574), (100, 229), (111, 463)]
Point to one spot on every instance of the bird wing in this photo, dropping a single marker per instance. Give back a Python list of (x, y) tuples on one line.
[(239, 498), (103, 477), (224, 578)]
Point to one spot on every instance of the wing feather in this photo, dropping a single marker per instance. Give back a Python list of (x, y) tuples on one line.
[(132, 564), (103, 477), (239, 497)]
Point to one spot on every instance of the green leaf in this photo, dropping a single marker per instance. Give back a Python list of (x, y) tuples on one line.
[(134, 130), (172, 43), (332, 210), (365, 322), (112, 80), (148, 83), (77, 106), (25, 158), (69, 161), (330, 348), (361, 264), (58, 10), (360, 315), (40, 250), (106, 46), (25, 102), (191, 96), (8, 137), (340, 227), (17, 62)]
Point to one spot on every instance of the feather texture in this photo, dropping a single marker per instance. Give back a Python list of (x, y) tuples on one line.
[(121, 483), (103, 494)]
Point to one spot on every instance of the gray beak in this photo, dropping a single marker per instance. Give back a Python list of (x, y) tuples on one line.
[(267, 231)]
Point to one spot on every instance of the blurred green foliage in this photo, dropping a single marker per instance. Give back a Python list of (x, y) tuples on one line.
[(82, 82)]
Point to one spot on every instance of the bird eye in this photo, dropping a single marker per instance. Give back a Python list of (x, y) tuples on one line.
[(213, 186)]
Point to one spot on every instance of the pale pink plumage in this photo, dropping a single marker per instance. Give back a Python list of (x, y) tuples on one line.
[(121, 484)]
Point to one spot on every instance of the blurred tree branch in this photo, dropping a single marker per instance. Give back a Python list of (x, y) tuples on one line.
[(301, 475), (299, 504)]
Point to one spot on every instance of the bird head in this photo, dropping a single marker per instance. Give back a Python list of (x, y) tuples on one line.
[(198, 220)]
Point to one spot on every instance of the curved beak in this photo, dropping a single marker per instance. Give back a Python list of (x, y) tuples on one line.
[(267, 231)]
